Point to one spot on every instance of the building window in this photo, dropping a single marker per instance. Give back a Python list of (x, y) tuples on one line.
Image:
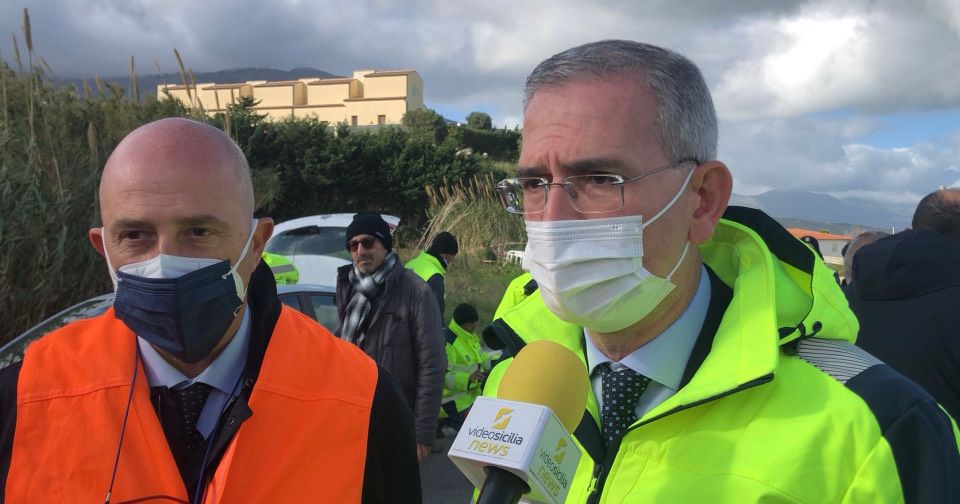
[(381, 119), (353, 120)]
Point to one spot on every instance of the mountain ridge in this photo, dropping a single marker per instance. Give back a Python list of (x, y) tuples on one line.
[(822, 209)]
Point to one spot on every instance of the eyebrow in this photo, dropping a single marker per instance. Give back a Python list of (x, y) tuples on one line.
[(195, 220), (580, 167)]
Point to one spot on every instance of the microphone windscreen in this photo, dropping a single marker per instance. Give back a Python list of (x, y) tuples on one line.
[(549, 374)]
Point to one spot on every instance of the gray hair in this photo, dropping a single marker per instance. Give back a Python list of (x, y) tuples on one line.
[(939, 211), (857, 243), (687, 120)]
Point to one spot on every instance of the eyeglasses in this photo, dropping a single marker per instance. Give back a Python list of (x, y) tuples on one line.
[(367, 243), (594, 193)]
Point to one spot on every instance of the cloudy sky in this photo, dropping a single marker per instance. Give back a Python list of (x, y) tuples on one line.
[(856, 98)]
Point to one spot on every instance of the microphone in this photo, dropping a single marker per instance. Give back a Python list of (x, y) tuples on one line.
[(519, 444)]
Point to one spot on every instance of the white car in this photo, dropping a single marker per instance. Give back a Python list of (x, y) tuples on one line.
[(316, 301), (317, 244)]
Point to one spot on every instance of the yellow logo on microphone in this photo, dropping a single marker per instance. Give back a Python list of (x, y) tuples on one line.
[(559, 452), (502, 419)]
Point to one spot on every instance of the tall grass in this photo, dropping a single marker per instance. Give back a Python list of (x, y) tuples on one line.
[(53, 144), (472, 211)]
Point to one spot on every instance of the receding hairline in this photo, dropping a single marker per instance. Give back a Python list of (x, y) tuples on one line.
[(178, 130)]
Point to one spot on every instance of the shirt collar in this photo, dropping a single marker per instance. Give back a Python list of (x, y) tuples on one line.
[(664, 358), (222, 374)]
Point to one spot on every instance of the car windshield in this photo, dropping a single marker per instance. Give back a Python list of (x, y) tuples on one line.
[(13, 352), (311, 240)]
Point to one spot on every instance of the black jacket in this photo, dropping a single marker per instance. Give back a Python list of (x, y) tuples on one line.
[(404, 335), (391, 473), (906, 294)]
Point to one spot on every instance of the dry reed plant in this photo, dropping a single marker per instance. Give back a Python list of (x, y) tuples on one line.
[(471, 210)]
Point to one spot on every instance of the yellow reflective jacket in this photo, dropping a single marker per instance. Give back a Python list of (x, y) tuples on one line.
[(425, 266), (519, 289), (284, 272), (464, 356), (776, 405)]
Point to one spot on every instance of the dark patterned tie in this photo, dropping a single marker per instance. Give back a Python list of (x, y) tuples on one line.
[(190, 400), (621, 391)]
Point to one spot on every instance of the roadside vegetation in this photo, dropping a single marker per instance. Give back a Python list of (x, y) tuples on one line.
[(55, 139)]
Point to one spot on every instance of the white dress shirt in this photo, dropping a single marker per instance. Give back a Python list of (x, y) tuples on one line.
[(223, 374), (662, 359)]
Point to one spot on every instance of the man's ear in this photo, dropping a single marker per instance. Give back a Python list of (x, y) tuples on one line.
[(713, 185), (261, 235), (96, 239)]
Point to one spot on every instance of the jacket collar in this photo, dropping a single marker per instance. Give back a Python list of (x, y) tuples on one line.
[(780, 293)]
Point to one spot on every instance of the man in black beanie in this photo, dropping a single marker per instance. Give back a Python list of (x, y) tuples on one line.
[(432, 264), (389, 312)]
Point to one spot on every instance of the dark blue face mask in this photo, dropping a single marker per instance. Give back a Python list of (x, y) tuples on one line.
[(186, 316)]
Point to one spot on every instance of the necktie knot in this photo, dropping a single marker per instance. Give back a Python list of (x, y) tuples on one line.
[(621, 392)]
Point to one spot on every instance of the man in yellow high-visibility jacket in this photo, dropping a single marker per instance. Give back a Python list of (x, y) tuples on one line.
[(719, 348), (432, 264), (467, 365)]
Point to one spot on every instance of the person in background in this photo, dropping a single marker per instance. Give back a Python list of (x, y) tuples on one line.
[(906, 294), (390, 313), (284, 272), (432, 264), (719, 348), (851, 248), (467, 365), (198, 385)]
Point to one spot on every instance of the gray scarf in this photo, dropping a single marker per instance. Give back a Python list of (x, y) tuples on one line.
[(365, 287)]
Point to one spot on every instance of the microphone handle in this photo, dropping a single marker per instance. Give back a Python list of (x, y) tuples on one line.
[(501, 487)]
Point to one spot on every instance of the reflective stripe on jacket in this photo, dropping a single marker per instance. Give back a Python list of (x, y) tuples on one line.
[(284, 272), (781, 406), (305, 442)]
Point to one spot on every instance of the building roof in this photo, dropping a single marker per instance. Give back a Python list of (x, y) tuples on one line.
[(819, 235), (336, 80), (388, 73)]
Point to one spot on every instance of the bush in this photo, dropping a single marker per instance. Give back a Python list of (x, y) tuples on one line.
[(54, 142)]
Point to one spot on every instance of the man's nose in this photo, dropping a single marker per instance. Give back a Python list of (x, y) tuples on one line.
[(168, 245), (558, 206)]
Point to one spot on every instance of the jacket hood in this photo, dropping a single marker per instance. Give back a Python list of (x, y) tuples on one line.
[(751, 252), (782, 292), (906, 265)]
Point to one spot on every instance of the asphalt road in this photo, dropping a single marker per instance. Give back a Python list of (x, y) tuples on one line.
[(442, 482)]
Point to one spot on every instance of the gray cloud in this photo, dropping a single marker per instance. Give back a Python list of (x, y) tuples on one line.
[(798, 84)]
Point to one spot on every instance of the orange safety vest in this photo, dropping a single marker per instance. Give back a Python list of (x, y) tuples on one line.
[(306, 440)]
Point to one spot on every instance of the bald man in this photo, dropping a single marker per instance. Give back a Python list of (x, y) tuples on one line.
[(199, 385)]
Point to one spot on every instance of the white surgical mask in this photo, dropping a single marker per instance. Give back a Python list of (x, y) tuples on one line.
[(590, 272), (170, 266)]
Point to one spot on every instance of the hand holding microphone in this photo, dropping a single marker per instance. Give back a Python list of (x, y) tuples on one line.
[(518, 444)]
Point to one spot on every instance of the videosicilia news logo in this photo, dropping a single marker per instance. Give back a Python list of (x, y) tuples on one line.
[(497, 439)]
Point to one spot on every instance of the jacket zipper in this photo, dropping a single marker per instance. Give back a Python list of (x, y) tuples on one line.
[(601, 471)]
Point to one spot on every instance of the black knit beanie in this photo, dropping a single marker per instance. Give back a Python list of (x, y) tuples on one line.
[(443, 243), (465, 313), (370, 224)]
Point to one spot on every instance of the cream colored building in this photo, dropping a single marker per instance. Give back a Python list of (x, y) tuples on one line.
[(369, 97)]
